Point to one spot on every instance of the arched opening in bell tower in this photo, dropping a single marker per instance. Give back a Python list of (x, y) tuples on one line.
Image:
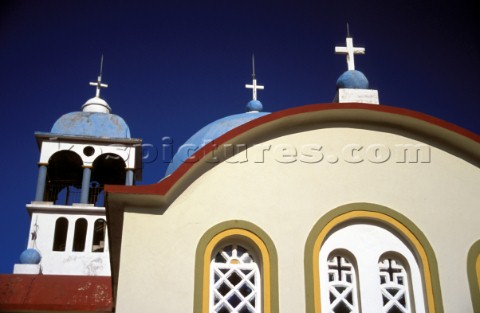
[(108, 169), (64, 178)]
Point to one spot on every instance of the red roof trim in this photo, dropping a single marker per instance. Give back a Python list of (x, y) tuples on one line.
[(162, 187), (20, 293)]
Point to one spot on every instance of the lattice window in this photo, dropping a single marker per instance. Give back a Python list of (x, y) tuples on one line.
[(235, 281), (394, 286), (342, 285)]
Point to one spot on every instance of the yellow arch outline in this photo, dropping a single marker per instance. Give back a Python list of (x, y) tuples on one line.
[(377, 213), (473, 272), (256, 237)]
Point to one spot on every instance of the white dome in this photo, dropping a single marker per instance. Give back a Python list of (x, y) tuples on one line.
[(96, 105)]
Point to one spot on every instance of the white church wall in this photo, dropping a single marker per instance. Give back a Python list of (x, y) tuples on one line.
[(286, 196), (67, 262)]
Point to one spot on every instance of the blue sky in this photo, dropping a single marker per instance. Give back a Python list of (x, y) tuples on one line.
[(172, 67)]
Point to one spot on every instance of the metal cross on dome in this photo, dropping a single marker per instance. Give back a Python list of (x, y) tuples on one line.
[(99, 83), (350, 51), (254, 85)]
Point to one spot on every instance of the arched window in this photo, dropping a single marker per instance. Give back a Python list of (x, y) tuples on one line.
[(236, 270), (394, 285), (64, 178), (80, 235), (99, 231), (108, 169), (383, 264), (371, 233), (342, 283), (235, 280), (60, 235)]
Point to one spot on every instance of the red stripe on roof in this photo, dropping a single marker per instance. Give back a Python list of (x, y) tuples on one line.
[(162, 187)]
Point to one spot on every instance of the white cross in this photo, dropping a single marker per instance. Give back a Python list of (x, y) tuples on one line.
[(254, 88), (254, 85), (350, 51), (98, 83)]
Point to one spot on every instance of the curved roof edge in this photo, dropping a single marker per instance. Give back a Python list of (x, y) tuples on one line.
[(348, 114)]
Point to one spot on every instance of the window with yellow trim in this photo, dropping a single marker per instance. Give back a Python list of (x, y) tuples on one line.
[(372, 263), (238, 271)]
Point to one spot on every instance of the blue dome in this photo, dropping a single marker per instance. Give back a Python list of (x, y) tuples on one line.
[(30, 256), (207, 134), (254, 105), (352, 79), (91, 124)]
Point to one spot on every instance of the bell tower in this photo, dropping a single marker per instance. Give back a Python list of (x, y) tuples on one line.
[(83, 152)]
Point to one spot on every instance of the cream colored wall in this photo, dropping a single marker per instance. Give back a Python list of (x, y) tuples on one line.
[(285, 200)]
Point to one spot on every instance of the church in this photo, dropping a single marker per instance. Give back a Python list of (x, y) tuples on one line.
[(349, 206)]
